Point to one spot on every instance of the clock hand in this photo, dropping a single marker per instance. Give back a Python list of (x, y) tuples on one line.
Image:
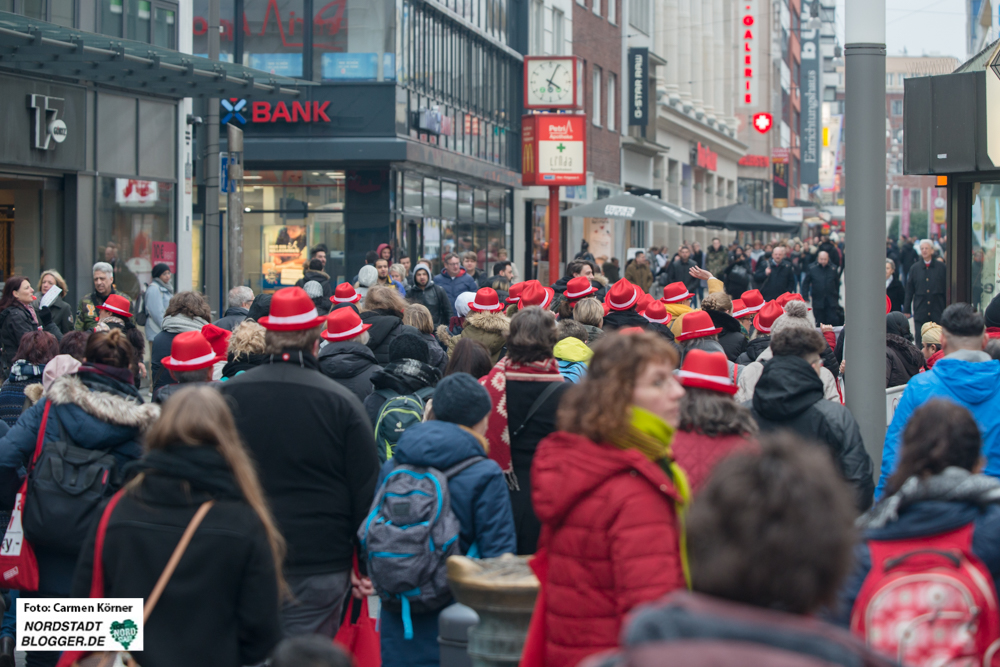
[(551, 82)]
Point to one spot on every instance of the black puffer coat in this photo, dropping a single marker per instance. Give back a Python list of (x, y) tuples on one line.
[(789, 395), (754, 347), (623, 319), (351, 365), (15, 321), (733, 342), (386, 326), (403, 377), (434, 298), (902, 360)]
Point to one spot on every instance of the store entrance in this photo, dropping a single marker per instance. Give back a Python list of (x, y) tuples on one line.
[(31, 225)]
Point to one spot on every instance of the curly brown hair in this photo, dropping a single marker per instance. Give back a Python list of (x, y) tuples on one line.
[(191, 304), (381, 297), (715, 414), (597, 407)]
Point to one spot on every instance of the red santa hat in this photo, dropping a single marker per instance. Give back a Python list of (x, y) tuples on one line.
[(765, 319), (623, 295), (578, 288), (753, 300), (343, 324), (675, 293), (536, 294), (486, 301), (345, 293), (191, 351), (657, 313), (697, 324), (117, 304), (292, 310), (740, 309), (706, 370)]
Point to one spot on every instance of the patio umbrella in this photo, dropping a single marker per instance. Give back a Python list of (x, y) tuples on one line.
[(743, 218), (631, 207)]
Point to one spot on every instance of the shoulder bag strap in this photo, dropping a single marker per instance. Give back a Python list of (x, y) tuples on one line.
[(175, 558), (462, 465), (97, 578), (551, 389), (41, 435)]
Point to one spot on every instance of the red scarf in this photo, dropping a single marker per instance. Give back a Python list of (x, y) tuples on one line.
[(495, 383)]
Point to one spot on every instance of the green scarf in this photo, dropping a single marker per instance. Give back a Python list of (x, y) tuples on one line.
[(651, 436)]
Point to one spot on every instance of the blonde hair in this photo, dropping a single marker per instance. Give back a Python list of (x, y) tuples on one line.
[(589, 311), (198, 416), (382, 297), (60, 282), (247, 338), (399, 270), (417, 316), (718, 301)]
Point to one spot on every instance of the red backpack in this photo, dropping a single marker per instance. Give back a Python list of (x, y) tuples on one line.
[(929, 601)]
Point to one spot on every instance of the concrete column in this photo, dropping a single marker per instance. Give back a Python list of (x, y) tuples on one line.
[(697, 68), (682, 38), (669, 29), (865, 167), (708, 71)]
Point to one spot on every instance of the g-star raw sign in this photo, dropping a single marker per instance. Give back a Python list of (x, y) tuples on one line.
[(554, 149), (638, 69)]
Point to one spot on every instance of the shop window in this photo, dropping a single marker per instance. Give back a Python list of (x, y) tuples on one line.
[(464, 202), (274, 34), (165, 27), (113, 17), (135, 229), (897, 107), (413, 194), (449, 200), (432, 197), (140, 15), (354, 40), (595, 105), (916, 199), (227, 37), (985, 220), (897, 195), (480, 206)]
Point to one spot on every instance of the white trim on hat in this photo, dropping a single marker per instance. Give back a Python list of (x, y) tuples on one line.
[(345, 334), (627, 304), (742, 313), (473, 305), (211, 356), (294, 319), (106, 306), (698, 331), (726, 380), (675, 299), (353, 299), (756, 309), (575, 295), (665, 319)]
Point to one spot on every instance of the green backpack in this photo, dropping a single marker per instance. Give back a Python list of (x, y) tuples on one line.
[(398, 413)]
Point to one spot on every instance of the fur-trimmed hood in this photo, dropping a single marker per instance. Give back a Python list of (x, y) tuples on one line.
[(105, 406), (497, 323), (33, 392)]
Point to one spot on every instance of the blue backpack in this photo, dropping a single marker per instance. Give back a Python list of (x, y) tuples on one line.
[(409, 534)]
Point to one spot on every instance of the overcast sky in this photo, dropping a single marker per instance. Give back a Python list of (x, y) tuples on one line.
[(931, 27)]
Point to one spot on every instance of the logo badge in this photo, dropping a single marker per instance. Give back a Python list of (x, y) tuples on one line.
[(49, 128), (762, 122), (234, 108), (125, 632)]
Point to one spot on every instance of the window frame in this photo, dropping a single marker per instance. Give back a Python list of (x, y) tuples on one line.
[(612, 93), (595, 95), (558, 31)]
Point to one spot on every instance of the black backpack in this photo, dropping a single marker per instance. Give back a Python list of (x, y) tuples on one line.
[(139, 314), (66, 487)]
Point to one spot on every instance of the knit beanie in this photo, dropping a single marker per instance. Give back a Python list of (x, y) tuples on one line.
[(425, 267), (460, 399), (159, 269), (992, 314), (795, 317), (313, 289), (409, 346)]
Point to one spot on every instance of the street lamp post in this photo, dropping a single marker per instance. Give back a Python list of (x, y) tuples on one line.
[(865, 166)]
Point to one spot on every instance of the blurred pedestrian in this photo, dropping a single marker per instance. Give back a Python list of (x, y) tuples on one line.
[(485, 323), (720, 308), (37, 349), (407, 372), (190, 363), (609, 494), (74, 343), (383, 309), (433, 297), (62, 312), (893, 287), (469, 356), (317, 513), (187, 311), (157, 299), (590, 314), (238, 302), (638, 272), (822, 284), (453, 278), (104, 276), (926, 287), (315, 273), (18, 317), (417, 316), (930, 332), (245, 349), (902, 358), (310, 651), (571, 351), (346, 358), (232, 564)]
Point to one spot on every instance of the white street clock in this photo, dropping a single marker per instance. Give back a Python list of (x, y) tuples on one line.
[(552, 82)]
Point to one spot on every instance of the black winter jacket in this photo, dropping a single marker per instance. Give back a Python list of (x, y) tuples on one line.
[(896, 294), (62, 316), (232, 319), (926, 291), (386, 326), (227, 566), (403, 377), (823, 283), (754, 347), (789, 395), (736, 277), (781, 279), (351, 365), (320, 277), (15, 321), (242, 362), (679, 272), (315, 453), (434, 298), (902, 360), (623, 319), (733, 342)]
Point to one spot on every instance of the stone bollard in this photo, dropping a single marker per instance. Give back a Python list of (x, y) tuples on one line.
[(502, 591)]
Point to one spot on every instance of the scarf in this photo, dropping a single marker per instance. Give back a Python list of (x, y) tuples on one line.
[(24, 371), (201, 466), (31, 311), (953, 484), (181, 323), (651, 436), (495, 382)]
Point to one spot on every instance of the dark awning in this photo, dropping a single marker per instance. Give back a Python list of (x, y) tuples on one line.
[(632, 207), (42, 48), (740, 217)]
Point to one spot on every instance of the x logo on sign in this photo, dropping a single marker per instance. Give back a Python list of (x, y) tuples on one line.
[(234, 107)]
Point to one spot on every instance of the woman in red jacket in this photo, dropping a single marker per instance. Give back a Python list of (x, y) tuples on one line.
[(608, 494)]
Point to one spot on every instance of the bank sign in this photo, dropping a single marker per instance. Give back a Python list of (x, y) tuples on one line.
[(554, 149), (241, 112)]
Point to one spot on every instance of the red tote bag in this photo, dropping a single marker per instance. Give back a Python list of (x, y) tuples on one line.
[(358, 635), (18, 565)]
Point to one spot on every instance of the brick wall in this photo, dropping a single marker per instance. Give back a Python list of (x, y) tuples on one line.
[(598, 42)]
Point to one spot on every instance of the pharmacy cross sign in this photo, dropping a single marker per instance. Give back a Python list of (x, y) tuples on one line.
[(560, 147), (762, 122)]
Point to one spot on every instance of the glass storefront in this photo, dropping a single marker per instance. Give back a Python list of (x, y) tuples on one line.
[(135, 229), (985, 220), (285, 214), (31, 226)]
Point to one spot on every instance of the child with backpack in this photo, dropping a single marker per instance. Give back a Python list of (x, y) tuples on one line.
[(438, 496), (923, 590)]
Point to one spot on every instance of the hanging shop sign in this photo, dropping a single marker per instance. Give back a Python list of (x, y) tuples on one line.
[(779, 177), (748, 53), (810, 122), (554, 149), (706, 158), (754, 161), (638, 72)]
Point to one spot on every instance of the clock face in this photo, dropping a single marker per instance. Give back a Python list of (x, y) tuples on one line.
[(550, 82)]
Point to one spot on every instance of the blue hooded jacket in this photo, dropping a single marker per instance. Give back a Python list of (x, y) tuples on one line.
[(455, 286), (975, 385), (479, 496)]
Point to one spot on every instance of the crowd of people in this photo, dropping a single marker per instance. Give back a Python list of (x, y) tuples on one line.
[(671, 448)]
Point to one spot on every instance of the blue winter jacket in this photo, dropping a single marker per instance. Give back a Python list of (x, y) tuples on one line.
[(930, 517), (974, 385), (455, 286), (479, 496)]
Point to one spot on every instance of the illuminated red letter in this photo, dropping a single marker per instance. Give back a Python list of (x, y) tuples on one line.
[(304, 111), (280, 111), (261, 112), (319, 111)]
